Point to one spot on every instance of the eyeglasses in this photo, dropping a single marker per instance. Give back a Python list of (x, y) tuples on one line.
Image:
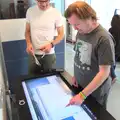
[(45, 1)]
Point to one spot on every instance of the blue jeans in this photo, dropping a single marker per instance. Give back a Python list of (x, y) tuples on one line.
[(112, 71)]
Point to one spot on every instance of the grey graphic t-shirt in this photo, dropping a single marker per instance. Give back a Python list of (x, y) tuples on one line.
[(92, 50)]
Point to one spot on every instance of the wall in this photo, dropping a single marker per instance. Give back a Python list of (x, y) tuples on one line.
[(11, 30), (105, 10)]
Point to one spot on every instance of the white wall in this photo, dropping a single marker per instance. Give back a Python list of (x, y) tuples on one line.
[(105, 10), (12, 29)]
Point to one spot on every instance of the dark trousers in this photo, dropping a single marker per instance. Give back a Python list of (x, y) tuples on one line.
[(112, 72), (47, 63)]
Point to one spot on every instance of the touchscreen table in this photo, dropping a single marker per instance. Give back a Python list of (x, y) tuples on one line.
[(47, 98)]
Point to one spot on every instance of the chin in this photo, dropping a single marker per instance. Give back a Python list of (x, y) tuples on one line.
[(42, 8)]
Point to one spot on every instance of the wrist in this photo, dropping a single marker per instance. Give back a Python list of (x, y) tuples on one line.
[(29, 43), (52, 45), (82, 95)]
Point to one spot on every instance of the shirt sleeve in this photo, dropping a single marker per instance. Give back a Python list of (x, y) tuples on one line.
[(59, 20), (106, 52), (27, 16)]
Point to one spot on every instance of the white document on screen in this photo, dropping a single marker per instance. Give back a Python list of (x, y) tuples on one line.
[(55, 100)]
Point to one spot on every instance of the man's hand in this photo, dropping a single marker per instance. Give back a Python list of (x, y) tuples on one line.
[(29, 49), (76, 100), (46, 48), (74, 82)]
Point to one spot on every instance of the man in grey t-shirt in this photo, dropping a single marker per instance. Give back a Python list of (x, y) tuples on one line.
[(94, 54)]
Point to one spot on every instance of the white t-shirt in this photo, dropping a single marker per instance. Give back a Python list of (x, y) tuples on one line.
[(43, 26)]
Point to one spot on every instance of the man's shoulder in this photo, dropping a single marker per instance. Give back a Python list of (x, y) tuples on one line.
[(102, 33), (104, 36), (56, 11), (32, 8)]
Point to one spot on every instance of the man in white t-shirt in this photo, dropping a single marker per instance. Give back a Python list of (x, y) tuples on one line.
[(42, 21)]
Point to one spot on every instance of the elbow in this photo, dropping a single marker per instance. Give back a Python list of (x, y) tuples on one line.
[(106, 73)]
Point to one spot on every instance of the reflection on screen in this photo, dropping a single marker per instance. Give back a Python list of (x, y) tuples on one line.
[(47, 100)]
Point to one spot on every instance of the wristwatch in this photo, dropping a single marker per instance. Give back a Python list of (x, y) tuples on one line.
[(52, 44)]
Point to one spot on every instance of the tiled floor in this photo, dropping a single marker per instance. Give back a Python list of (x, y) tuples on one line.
[(114, 97)]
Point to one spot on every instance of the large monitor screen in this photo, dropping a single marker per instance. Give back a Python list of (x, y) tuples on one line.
[(47, 98)]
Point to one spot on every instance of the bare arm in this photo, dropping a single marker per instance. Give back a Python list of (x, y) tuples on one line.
[(60, 36), (101, 76), (27, 34), (29, 48)]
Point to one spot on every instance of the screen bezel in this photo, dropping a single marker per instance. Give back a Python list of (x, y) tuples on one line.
[(95, 109)]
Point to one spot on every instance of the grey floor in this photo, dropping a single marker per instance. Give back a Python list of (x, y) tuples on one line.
[(114, 96)]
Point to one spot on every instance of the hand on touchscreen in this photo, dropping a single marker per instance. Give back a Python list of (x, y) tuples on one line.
[(76, 100)]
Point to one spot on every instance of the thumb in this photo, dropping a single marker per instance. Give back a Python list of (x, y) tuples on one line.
[(32, 51), (75, 83)]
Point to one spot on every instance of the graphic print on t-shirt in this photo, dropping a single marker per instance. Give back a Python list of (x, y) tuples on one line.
[(84, 51)]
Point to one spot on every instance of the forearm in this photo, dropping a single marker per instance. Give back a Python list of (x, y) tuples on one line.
[(96, 82), (59, 37), (28, 38)]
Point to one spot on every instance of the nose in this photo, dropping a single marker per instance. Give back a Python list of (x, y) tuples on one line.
[(44, 4)]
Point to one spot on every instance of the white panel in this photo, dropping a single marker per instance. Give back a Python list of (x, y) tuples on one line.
[(12, 29), (105, 10)]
